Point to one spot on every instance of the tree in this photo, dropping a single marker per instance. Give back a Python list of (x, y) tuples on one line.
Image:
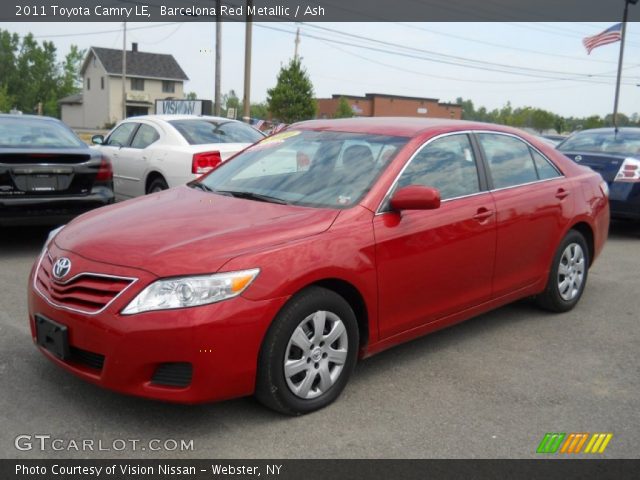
[(292, 99), (192, 96), (344, 109), (6, 102), (259, 110), (31, 74)]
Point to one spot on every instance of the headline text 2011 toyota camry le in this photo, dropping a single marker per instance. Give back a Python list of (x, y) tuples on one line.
[(326, 243)]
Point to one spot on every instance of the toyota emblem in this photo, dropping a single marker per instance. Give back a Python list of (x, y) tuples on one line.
[(62, 267), (578, 158)]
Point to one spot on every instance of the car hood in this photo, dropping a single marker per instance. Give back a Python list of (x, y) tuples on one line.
[(185, 231)]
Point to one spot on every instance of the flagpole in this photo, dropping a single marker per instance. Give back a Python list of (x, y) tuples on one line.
[(624, 31)]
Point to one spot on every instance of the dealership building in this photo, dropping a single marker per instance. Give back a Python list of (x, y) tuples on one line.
[(382, 105)]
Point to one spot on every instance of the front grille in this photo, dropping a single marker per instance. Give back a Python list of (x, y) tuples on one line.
[(85, 292), (176, 374), (87, 358)]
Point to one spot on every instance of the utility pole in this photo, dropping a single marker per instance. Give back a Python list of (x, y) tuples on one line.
[(295, 54), (624, 31), (217, 105), (246, 115), (124, 71)]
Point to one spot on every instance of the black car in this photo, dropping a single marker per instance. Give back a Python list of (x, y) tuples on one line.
[(614, 154), (47, 174)]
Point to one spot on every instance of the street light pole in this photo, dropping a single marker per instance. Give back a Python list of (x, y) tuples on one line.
[(620, 60), (217, 106), (124, 71), (246, 114)]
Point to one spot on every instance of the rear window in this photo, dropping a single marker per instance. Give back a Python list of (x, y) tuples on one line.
[(202, 131), (624, 143), (30, 132)]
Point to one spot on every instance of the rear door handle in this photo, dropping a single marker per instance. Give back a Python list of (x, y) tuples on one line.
[(562, 193), (483, 214)]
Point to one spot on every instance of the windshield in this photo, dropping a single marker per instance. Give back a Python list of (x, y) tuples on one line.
[(310, 168), (200, 131), (623, 143), (30, 132)]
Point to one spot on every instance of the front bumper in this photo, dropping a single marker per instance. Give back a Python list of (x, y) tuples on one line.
[(220, 341)]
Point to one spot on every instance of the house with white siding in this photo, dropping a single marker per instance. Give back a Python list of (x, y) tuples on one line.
[(149, 77)]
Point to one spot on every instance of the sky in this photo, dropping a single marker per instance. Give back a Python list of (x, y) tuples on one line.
[(474, 61)]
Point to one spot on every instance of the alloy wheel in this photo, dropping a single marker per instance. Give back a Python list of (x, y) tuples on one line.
[(571, 271), (316, 354)]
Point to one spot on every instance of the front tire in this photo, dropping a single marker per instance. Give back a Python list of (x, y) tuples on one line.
[(568, 275), (308, 353)]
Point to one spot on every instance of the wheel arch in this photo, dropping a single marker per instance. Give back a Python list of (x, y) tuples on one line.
[(151, 176), (586, 231), (352, 296)]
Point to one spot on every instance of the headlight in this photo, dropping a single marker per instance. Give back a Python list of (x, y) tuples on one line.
[(191, 291), (51, 236)]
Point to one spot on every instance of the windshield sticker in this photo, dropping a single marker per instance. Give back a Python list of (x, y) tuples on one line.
[(276, 139)]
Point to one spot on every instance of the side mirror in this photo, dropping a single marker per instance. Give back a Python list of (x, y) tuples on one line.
[(416, 197), (97, 139)]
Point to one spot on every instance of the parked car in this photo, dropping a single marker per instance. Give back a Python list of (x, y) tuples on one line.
[(275, 283), (553, 139), (47, 174), (615, 156), (155, 152)]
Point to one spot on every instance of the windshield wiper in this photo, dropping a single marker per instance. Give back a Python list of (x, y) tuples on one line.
[(200, 186), (254, 196)]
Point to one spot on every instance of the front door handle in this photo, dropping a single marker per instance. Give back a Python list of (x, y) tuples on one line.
[(562, 193), (483, 214)]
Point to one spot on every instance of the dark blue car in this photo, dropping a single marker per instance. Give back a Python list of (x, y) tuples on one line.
[(615, 156)]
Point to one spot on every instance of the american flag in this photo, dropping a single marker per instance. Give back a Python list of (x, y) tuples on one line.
[(279, 127), (610, 35)]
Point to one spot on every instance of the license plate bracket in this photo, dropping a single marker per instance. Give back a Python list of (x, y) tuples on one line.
[(53, 337)]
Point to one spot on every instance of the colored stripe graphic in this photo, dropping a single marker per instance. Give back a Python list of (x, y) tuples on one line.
[(598, 443), (550, 443), (574, 443)]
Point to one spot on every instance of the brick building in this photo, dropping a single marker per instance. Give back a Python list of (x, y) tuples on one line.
[(382, 105)]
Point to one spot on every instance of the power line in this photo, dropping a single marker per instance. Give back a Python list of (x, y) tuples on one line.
[(447, 62), (455, 60), (506, 47), (59, 35)]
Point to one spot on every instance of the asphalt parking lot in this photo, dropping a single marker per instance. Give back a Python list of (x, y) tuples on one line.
[(488, 388)]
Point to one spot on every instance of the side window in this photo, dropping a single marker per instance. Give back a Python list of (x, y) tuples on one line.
[(545, 169), (509, 159), (447, 164), (120, 136), (145, 136)]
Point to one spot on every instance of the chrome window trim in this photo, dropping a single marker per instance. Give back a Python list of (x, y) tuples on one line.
[(132, 281), (379, 210)]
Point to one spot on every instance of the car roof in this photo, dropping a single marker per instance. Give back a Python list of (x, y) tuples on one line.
[(610, 130), (401, 126), (29, 117), (167, 118)]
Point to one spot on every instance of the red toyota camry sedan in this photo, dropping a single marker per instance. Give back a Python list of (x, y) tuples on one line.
[(324, 244)]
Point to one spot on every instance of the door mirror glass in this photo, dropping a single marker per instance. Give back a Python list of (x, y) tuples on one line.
[(97, 139), (415, 197)]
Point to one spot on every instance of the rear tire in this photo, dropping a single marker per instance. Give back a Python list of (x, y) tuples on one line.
[(157, 185), (568, 275), (308, 353)]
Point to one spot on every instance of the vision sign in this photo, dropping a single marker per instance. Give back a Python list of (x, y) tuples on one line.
[(183, 107)]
